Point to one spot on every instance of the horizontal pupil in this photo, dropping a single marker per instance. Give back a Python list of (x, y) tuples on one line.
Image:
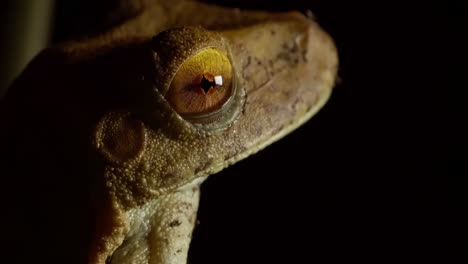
[(206, 84)]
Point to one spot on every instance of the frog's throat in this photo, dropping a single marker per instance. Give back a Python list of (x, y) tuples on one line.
[(161, 230)]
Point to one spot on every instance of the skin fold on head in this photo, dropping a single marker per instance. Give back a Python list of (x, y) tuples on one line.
[(107, 138)]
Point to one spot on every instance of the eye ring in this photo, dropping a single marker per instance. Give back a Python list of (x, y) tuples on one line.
[(170, 50), (203, 85), (212, 115)]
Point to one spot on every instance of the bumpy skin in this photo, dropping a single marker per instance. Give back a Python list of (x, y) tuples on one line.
[(98, 162)]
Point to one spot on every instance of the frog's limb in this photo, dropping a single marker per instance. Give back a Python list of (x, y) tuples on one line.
[(161, 230)]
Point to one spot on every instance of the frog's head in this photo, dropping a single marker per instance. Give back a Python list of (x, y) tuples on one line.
[(209, 100), (163, 112)]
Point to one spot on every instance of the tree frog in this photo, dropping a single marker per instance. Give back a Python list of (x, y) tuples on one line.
[(106, 138)]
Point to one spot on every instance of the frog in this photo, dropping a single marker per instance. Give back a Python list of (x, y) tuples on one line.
[(108, 137)]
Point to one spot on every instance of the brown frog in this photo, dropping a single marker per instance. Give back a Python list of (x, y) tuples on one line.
[(107, 138)]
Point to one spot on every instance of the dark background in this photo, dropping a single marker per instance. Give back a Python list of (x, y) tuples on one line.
[(380, 173)]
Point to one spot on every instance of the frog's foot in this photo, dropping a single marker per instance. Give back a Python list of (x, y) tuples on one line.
[(161, 230)]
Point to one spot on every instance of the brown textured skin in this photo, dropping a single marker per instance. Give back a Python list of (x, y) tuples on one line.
[(87, 137)]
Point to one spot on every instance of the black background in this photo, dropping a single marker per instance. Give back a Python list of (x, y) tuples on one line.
[(379, 173)]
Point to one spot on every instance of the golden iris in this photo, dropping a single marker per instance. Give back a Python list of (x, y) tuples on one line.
[(202, 84)]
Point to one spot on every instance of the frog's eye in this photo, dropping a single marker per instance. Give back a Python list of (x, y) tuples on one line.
[(202, 85)]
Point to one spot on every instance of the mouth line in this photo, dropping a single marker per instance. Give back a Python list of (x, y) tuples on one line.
[(322, 99)]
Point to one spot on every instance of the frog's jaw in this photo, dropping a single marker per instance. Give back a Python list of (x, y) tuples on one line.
[(161, 230)]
